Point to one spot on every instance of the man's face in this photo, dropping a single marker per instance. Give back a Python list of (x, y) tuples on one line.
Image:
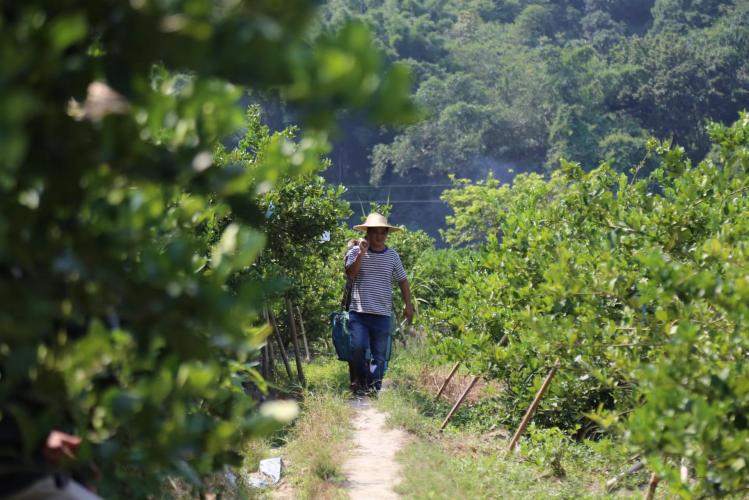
[(377, 235)]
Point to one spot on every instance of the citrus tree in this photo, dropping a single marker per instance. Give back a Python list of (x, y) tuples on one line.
[(637, 286), (302, 221)]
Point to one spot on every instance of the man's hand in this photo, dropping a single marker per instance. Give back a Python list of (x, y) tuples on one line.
[(60, 446), (353, 270), (408, 312)]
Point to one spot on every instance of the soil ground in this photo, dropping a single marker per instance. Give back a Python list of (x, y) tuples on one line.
[(371, 468)]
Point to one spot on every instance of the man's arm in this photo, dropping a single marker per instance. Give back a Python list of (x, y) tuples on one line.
[(408, 310)]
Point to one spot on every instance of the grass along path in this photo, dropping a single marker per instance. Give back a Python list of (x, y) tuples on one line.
[(469, 459), (319, 439), (337, 449)]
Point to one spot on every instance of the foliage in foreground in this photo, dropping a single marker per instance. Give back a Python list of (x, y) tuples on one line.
[(639, 286), (121, 321)]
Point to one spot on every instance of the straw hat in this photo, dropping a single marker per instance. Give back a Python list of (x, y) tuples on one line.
[(376, 220)]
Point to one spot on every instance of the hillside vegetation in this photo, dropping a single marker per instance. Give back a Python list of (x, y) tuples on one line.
[(533, 81)]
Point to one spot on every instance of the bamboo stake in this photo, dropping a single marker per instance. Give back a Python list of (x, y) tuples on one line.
[(279, 341), (447, 380), (404, 335), (271, 364), (611, 483), (458, 403), (533, 407), (264, 362), (284, 355), (295, 341), (652, 485), (304, 335)]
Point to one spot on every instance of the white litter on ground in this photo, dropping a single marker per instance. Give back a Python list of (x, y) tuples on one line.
[(269, 473)]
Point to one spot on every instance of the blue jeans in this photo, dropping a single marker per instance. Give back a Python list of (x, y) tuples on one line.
[(368, 331)]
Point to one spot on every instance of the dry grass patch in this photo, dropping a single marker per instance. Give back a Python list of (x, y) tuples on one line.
[(430, 380)]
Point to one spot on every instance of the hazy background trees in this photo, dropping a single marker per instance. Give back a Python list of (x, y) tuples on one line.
[(512, 86)]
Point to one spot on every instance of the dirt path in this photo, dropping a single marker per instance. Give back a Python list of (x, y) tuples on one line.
[(371, 469)]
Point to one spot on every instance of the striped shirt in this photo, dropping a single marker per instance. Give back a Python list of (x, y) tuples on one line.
[(372, 290)]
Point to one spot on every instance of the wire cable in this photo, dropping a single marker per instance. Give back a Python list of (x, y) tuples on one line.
[(394, 201)]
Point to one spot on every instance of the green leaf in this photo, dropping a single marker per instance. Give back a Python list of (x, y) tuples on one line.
[(67, 30)]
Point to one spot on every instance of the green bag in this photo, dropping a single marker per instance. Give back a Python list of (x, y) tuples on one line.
[(341, 337), (339, 322)]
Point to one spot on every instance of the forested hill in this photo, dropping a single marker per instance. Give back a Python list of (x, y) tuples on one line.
[(513, 85)]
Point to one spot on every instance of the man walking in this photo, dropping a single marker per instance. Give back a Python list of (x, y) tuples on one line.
[(373, 267)]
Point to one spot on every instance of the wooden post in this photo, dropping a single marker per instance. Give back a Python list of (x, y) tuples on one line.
[(304, 335), (447, 380), (279, 341), (295, 341), (652, 485), (534, 405), (458, 403)]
